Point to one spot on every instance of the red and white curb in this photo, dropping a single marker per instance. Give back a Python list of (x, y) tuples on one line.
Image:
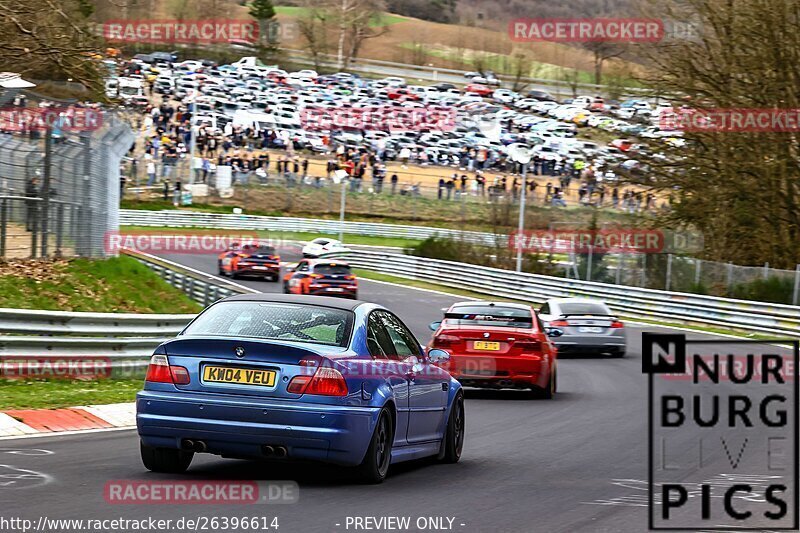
[(29, 422)]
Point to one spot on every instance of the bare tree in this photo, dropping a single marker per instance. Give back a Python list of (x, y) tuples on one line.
[(50, 40), (740, 189)]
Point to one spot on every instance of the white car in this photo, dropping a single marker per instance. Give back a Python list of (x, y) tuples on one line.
[(321, 246)]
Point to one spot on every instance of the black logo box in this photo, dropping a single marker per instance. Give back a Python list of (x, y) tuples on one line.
[(678, 366)]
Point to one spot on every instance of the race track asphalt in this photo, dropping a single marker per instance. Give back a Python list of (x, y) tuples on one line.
[(576, 463)]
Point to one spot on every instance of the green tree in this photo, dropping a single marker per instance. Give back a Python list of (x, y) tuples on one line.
[(264, 12)]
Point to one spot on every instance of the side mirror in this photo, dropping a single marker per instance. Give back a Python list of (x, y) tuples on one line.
[(554, 332), (434, 325), (438, 357)]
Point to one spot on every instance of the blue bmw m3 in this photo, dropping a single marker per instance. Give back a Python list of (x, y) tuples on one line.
[(298, 377)]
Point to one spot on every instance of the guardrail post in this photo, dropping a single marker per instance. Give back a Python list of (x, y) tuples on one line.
[(59, 228), (766, 270), (669, 272), (620, 263), (3, 228), (34, 226), (730, 276), (589, 264), (796, 294), (644, 270), (698, 264), (189, 288), (207, 295)]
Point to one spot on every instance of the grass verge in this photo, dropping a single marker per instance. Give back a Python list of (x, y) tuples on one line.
[(116, 285), (53, 394)]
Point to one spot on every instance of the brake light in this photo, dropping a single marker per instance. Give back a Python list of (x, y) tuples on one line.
[(326, 381), (275, 257), (445, 340), (350, 277), (315, 276), (160, 371), (617, 324), (528, 346), (559, 323)]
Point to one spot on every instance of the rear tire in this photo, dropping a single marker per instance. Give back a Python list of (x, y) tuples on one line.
[(550, 392), (454, 436), (165, 460), (375, 466), (619, 353)]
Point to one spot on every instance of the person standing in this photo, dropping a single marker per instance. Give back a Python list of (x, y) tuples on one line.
[(394, 183)]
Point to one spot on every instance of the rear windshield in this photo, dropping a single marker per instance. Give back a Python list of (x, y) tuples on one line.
[(259, 250), (489, 316), (332, 270), (275, 321), (583, 308)]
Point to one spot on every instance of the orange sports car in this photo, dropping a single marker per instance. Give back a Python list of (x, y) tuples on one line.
[(250, 260), (322, 278)]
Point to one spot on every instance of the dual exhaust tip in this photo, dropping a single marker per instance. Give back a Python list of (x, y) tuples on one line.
[(279, 452), (197, 446)]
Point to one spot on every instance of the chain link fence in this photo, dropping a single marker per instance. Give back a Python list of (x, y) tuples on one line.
[(59, 187)]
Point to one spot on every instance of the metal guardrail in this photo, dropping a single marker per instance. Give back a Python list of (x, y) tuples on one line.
[(125, 338), (632, 302), (183, 219)]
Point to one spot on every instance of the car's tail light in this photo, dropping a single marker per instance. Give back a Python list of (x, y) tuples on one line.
[(315, 276), (275, 257), (351, 277), (617, 324), (559, 323), (445, 340), (528, 346), (326, 381), (160, 371)]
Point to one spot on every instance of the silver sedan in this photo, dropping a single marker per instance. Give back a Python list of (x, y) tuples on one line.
[(589, 326)]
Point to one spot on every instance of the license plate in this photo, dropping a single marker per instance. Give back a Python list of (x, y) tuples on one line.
[(239, 376), (486, 345), (590, 329), (336, 289), (260, 268)]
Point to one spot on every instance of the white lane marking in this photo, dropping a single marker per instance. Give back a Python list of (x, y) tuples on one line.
[(30, 451), (10, 480)]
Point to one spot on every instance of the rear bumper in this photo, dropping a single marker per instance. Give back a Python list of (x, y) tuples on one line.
[(511, 371), (267, 270), (333, 291), (240, 427), (590, 343)]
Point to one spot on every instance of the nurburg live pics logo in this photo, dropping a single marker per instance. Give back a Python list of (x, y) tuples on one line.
[(722, 409)]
